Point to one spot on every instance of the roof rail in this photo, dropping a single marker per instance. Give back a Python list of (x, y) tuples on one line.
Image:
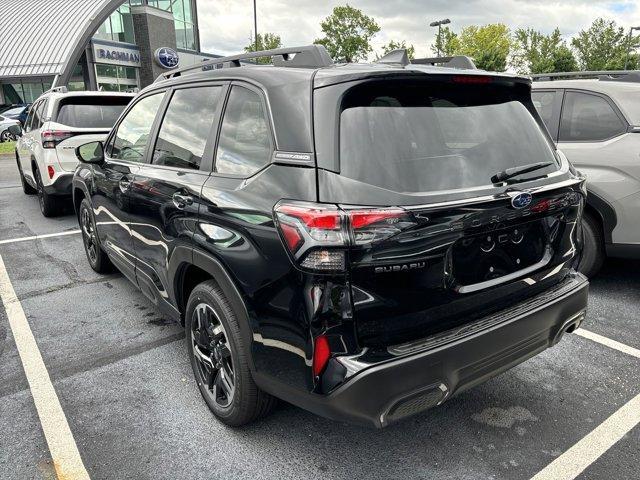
[(309, 56), (61, 89), (602, 75), (458, 61)]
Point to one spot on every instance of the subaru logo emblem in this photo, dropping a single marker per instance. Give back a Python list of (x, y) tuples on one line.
[(521, 200), (166, 57)]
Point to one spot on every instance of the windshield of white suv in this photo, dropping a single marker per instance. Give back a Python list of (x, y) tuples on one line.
[(91, 112), (424, 137)]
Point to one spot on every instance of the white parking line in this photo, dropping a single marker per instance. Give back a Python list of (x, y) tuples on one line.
[(608, 342), (38, 237), (62, 446), (575, 460)]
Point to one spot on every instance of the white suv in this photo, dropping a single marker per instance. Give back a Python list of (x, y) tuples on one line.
[(60, 121)]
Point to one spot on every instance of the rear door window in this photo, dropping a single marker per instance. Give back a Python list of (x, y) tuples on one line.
[(427, 136), (186, 127), (245, 140), (588, 118), (91, 112), (131, 139)]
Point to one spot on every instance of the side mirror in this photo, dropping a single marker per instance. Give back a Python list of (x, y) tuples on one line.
[(92, 152), (15, 130)]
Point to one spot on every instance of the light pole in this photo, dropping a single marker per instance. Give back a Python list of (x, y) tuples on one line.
[(626, 60), (255, 24), (439, 24)]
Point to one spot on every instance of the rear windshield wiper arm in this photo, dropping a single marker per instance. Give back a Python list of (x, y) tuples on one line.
[(515, 171)]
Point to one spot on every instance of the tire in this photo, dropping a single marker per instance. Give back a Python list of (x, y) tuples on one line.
[(224, 379), (26, 188), (593, 253), (6, 136), (48, 203), (97, 258)]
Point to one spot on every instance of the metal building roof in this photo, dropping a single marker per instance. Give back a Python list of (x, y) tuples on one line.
[(47, 37)]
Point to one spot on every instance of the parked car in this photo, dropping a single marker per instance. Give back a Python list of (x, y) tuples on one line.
[(18, 112), (363, 241), (596, 124), (58, 122), (5, 133)]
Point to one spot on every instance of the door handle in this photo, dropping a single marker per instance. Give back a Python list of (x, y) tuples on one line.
[(181, 201), (124, 184)]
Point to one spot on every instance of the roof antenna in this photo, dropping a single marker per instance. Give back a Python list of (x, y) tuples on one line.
[(395, 57)]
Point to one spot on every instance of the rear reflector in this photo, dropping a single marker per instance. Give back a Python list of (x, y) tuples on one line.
[(321, 354), (51, 172)]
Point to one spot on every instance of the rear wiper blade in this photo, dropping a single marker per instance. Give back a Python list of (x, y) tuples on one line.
[(515, 171)]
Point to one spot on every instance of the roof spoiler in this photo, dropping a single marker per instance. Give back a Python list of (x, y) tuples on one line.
[(401, 58), (309, 56), (602, 75), (461, 62)]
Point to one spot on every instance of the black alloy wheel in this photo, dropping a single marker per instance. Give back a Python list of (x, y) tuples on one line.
[(212, 352), (89, 236), (98, 259), (220, 356)]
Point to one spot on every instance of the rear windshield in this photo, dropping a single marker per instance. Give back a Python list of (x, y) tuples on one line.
[(427, 136), (91, 112)]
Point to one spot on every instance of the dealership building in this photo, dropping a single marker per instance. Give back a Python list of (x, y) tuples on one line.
[(93, 44)]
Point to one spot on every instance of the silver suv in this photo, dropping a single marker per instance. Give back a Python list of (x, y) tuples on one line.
[(596, 124), (59, 122)]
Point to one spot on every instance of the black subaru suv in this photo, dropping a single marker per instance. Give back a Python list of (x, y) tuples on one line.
[(361, 240)]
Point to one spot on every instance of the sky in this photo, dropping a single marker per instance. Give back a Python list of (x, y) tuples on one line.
[(226, 25)]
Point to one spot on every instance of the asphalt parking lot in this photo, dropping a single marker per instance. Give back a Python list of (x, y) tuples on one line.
[(123, 380)]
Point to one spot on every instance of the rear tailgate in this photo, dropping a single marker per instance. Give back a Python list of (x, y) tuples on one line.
[(66, 149), (457, 264), (466, 246), (81, 119)]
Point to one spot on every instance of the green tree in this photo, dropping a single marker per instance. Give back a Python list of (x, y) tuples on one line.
[(446, 43), (488, 45), (603, 46), (534, 52), (348, 33), (266, 41), (393, 45)]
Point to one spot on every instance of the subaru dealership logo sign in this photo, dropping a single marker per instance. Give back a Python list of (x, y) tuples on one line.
[(521, 200), (167, 57)]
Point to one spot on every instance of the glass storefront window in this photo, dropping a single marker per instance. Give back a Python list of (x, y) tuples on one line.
[(24, 92), (114, 78), (118, 27)]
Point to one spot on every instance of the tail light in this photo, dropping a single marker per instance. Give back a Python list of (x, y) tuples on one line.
[(51, 138), (51, 172), (317, 235)]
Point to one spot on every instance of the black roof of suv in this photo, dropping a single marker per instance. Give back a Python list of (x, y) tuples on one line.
[(361, 240)]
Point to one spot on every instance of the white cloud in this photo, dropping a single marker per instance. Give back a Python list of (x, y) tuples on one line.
[(226, 25)]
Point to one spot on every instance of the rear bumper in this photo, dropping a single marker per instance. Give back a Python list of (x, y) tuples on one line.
[(381, 394), (61, 185)]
